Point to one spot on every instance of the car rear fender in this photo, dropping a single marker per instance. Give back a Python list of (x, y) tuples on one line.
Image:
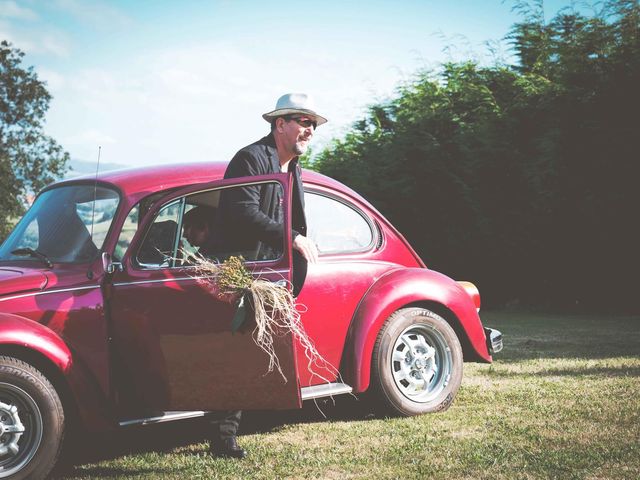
[(38, 345), (410, 287)]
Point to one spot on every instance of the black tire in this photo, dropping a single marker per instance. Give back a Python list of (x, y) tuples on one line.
[(417, 363), (31, 421)]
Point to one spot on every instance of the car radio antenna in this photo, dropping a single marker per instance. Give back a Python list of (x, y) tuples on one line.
[(95, 193)]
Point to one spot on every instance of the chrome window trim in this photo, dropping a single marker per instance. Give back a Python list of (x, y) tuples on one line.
[(176, 242), (61, 290), (177, 279), (152, 266), (159, 280)]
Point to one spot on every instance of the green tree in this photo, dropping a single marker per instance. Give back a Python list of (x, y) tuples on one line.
[(520, 177), (29, 159)]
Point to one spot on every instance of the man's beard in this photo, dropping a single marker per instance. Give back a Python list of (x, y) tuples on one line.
[(300, 148)]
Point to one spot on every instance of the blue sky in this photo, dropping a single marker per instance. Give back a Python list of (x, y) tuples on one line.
[(176, 81)]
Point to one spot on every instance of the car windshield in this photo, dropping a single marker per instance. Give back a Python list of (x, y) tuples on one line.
[(66, 224)]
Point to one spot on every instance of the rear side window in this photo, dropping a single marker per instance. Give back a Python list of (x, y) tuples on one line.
[(336, 227)]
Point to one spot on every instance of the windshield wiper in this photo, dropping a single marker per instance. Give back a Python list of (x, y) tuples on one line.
[(28, 251)]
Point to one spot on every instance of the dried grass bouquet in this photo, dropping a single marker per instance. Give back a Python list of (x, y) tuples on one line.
[(275, 310)]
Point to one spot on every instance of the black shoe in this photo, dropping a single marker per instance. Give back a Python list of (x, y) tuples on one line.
[(227, 447)]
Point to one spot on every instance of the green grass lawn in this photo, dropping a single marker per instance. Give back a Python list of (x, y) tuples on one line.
[(560, 401)]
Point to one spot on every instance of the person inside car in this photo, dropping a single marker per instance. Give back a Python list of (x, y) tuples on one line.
[(196, 225)]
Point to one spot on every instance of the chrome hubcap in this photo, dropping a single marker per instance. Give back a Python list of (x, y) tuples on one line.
[(20, 428), (421, 363), (11, 429)]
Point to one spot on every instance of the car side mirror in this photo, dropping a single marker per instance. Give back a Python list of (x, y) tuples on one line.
[(109, 265)]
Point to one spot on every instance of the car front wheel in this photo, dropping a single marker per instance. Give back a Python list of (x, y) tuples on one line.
[(31, 421), (417, 362)]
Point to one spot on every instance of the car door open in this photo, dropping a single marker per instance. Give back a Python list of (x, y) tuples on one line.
[(173, 344)]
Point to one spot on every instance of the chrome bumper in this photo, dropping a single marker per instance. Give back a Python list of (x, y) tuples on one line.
[(494, 340)]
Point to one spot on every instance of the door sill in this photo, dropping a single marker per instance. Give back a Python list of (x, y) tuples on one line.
[(307, 393), (163, 417)]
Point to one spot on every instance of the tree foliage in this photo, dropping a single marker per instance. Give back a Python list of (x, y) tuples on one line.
[(523, 177), (29, 159)]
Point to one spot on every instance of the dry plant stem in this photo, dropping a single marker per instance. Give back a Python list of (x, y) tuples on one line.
[(276, 314), (275, 309)]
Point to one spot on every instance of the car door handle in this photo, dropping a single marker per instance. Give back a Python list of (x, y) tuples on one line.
[(282, 283)]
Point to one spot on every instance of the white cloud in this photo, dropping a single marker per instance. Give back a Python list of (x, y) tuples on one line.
[(10, 9), (91, 136), (86, 143), (55, 43), (96, 13), (204, 102), (7, 33), (36, 39), (55, 81)]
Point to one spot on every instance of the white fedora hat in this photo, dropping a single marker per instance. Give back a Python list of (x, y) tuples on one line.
[(294, 103)]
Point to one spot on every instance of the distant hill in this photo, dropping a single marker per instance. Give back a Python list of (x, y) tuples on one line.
[(81, 167)]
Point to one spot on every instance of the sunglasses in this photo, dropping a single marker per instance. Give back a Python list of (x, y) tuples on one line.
[(304, 122)]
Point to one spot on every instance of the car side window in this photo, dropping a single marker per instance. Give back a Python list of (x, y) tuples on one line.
[(215, 223), (132, 222), (158, 247), (128, 231), (336, 227)]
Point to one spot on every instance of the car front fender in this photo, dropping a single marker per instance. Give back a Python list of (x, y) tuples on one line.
[(23, 332), (28, 340), (400, 288)]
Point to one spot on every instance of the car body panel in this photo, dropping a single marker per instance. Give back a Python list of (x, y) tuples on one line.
[(399, 288), (331, 293), (18, 280), (72, 308)]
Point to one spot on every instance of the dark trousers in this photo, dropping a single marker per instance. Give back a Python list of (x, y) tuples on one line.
[(223, 424)]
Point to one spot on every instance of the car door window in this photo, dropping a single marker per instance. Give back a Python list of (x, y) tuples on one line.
[(220, 223), (216, 224), (336, 227)]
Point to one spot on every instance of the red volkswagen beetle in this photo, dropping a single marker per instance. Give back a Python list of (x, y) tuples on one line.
[(101, 322)]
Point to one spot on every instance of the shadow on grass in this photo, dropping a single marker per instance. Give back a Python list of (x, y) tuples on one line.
[(115, 472), (568, 347), (529, 336), (569, 372), (165, 438)]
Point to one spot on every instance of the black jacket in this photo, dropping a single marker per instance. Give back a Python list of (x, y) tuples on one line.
[(251, 217)]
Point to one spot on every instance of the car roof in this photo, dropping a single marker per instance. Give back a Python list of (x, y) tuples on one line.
[(137, 181)]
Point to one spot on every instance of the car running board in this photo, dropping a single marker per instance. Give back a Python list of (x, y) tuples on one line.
[(324, 390), (164, 417), (307, 393)]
